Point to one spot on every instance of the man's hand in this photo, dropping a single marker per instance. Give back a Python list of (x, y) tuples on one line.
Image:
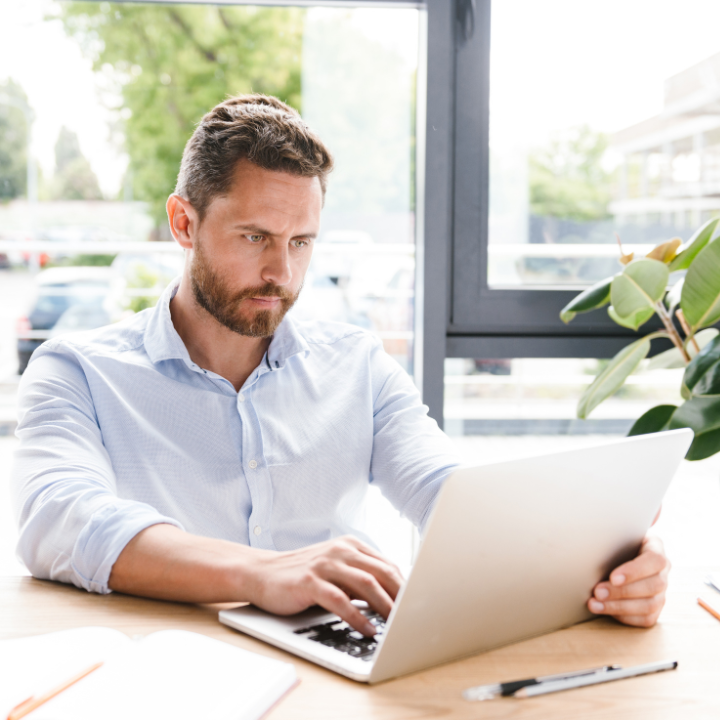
[(635, 593), (167, 563), (329, 574)]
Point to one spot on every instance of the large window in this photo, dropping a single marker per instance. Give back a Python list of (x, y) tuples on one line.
[(97, 100), (592, 138), (558, 126), (590, 129)]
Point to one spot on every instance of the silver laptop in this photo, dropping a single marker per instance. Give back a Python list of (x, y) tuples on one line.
[(511, 550)]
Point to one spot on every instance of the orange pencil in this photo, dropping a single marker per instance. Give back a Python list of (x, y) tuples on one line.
[(27, 706), (710, 609)]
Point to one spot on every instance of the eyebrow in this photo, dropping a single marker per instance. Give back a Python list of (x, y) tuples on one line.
[(260, 231)]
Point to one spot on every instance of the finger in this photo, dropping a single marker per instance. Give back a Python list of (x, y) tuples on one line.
[(360, 546), (647, 588), (644, 621), (363, 586), (386, 574), (334, 600), (619, 608), (650, 561)]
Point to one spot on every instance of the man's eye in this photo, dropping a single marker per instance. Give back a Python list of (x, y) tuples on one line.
[(255, 238), (300, 243)]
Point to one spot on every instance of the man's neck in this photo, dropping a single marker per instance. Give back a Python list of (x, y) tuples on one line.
[(210, 344)]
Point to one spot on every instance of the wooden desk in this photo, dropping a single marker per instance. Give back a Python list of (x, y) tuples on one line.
[(686, 633)]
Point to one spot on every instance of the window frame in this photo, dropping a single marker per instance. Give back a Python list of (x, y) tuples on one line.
[(463, 316)]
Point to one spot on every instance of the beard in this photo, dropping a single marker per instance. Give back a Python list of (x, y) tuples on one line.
[(212, 294)]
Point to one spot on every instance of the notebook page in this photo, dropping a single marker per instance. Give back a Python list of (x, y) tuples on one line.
[(34, 665), (179, 675)]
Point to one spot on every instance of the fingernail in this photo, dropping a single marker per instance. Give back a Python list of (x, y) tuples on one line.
[(370, 629), (618, 579), (602, 593), (596, 606)]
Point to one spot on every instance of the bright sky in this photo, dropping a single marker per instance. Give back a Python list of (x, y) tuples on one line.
[(560, 63), (60, 86)]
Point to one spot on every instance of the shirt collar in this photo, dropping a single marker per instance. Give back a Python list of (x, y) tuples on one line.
[(286, 342), (162, 341)]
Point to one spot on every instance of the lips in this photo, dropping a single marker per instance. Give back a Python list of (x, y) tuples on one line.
[(266, 300)]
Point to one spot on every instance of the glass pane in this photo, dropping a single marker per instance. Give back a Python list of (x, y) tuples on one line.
[(539, 397), (604, 123), (104, 125), (97, 101)]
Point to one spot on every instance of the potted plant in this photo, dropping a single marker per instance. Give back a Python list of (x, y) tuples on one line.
[(687, 309)]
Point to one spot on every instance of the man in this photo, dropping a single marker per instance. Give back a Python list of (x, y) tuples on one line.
[(212, 449)]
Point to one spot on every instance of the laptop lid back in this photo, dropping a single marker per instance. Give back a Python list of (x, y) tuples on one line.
[(514, 549)]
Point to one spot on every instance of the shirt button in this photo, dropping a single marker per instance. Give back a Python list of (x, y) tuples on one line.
[(241, 398), (253, 464), (257, 530)]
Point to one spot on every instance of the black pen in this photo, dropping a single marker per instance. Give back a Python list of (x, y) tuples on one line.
[(488, 692), (595, 679)]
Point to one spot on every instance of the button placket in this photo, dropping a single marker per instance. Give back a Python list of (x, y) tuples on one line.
[(255, 470)]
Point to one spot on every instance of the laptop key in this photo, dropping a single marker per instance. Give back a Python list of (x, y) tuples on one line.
[(340, 636)]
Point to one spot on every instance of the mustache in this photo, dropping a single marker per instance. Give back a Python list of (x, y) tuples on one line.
[(266, 290)]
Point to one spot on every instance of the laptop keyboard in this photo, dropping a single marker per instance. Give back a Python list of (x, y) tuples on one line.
[(339, 635)]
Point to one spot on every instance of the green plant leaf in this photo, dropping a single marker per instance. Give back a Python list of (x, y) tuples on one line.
[(634, 321), (702, 416), (700, 297), (610, 380), (638, 287), (704, 445), (672, 358), (594, 297), (699, 413), (672, 299), (688, 252), (654, 420), (702, 375)]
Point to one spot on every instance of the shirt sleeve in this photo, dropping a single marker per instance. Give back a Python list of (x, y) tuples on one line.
[(411, 455), (72, 523)]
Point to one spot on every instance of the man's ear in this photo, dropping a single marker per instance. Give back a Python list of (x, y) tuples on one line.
[(183, 220)]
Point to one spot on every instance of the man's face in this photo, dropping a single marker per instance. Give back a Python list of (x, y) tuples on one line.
[(252, 249)]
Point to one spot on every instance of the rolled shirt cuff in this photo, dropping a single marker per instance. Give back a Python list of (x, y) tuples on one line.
[(105, 536)]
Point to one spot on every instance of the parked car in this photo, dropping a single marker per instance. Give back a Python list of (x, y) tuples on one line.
[(72, 297)]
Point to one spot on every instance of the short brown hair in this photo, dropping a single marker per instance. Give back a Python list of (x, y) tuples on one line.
[(259, 128)]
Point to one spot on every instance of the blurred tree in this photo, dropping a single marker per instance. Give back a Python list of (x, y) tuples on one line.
[(567, 178), (172, 63), (74, 178), (13, 142)]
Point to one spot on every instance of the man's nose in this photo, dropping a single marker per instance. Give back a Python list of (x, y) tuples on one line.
[(277, 265)]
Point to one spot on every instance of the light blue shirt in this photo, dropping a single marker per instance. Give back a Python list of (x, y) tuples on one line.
[(120, 430)]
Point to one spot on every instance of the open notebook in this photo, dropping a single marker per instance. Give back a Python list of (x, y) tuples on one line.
[(169, 674)]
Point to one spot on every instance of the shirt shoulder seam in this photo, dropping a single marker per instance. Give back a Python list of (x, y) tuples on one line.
[(59, 343), (332, 340)]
